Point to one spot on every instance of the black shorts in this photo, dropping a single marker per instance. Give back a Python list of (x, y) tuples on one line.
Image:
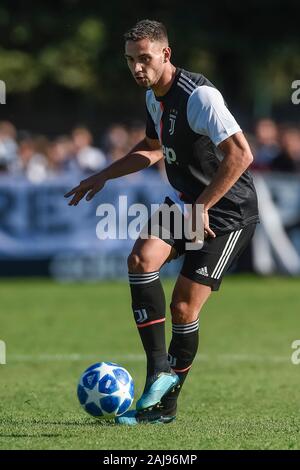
[(208, 264)]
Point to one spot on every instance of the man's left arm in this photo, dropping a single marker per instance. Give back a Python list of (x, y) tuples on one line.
[(237, 158)]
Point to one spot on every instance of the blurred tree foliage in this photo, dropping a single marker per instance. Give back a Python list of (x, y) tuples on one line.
[(72, 51)]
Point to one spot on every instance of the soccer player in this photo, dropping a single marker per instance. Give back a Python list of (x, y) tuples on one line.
[(206, 157)]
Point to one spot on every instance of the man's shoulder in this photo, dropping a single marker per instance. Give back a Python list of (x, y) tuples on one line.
[(195, 78), (196, 88), (202, 93)]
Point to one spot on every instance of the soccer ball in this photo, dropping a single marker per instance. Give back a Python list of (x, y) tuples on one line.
[(105, 390)]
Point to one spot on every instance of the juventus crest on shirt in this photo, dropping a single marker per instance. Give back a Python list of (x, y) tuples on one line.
[(190, 121)]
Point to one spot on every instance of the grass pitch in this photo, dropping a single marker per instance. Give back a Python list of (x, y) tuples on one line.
[(242, 392)]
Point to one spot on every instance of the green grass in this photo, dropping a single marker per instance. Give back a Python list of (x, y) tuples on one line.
[(242, 392)]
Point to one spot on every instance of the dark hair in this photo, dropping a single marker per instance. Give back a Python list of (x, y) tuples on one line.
[(147, 29)]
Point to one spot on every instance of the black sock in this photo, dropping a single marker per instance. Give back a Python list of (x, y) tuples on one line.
[(148, 304), (183, 348)]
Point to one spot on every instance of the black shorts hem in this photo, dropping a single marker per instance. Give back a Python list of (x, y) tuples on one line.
[(214, 284)]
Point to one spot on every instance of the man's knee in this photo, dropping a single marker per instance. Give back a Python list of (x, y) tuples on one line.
[(138, 264), (182, 312)]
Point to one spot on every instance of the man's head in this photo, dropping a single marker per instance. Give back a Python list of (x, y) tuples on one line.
[(147, 52)]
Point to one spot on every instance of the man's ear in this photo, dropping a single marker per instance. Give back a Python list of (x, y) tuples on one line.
[(167, 54)]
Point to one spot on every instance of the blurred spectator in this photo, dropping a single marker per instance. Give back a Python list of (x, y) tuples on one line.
[(267, 146), (8, 145), (32, 160), (116, 141), (136, 133), (289, 157), (89, 158), (61, 155)]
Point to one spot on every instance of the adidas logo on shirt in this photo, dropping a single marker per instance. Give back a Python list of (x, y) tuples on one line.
[(202, 271)]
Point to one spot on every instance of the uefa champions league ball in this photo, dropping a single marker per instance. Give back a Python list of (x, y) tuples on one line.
[(105, 390)]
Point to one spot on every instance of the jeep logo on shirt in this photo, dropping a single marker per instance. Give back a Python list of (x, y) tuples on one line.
[(169, 154)]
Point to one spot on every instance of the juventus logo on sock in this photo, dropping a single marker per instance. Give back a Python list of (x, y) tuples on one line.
[(172, 360), (140, 315)]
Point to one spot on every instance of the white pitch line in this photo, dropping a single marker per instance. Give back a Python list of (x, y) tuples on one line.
[(74, 357)]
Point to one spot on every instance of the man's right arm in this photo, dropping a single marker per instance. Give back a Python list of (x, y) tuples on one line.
[(144, 154)]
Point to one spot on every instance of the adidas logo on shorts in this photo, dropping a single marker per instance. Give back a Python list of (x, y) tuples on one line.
[(202, 271)]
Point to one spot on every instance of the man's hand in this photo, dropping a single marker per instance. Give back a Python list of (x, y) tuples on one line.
[(89, 186), (208, 232)]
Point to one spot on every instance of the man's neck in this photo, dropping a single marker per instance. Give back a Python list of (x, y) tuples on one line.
[(165, 82)]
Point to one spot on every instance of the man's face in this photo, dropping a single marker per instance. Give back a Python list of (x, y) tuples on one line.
[(146, 60)]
